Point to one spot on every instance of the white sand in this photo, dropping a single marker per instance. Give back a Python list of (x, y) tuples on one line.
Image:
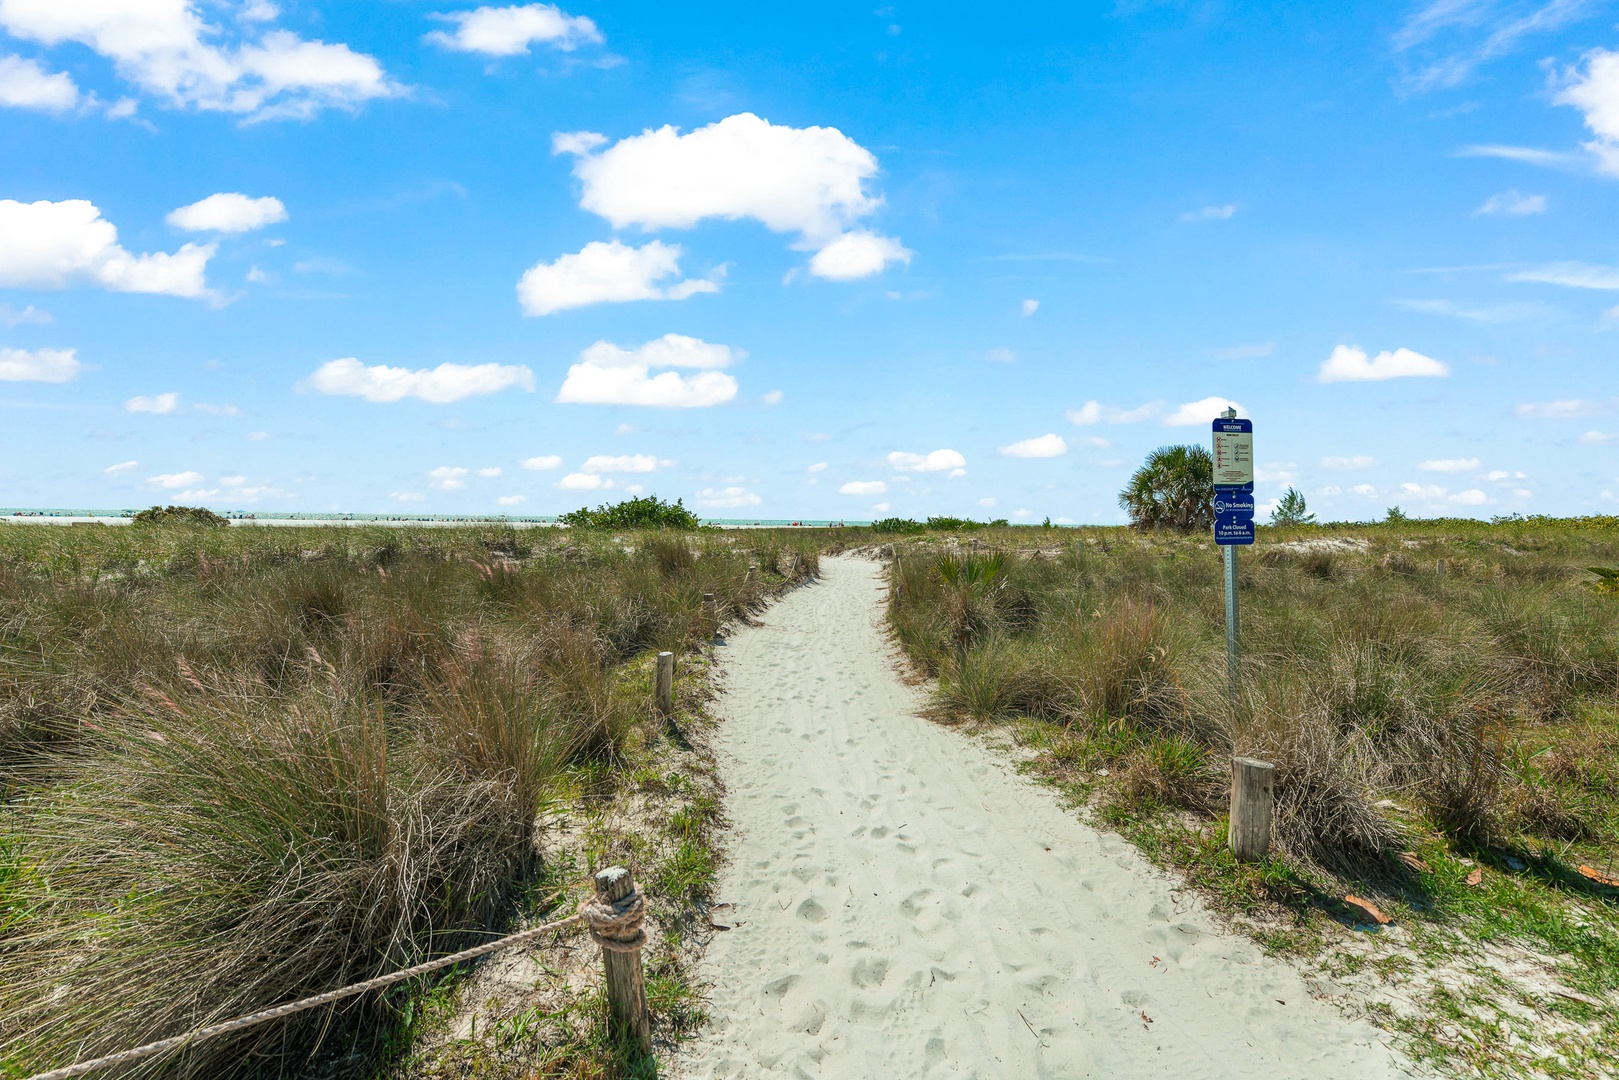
[(905, 905)]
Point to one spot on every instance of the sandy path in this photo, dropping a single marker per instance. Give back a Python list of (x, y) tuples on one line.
[(905, 905)]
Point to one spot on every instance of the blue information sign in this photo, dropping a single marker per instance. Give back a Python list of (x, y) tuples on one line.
[(1234, 500), (1234, 530), (1233, 481)]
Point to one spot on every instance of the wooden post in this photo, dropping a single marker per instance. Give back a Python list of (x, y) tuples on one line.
[(1253, 787), (626, 987), (666, 683)]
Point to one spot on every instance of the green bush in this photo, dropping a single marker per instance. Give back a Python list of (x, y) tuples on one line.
[(648, 512), (898, 525), (180, 515)]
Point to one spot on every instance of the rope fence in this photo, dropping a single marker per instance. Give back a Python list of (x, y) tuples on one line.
[(615, 917)]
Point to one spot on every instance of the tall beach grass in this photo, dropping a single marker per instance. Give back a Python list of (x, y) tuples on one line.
[(244, 765)]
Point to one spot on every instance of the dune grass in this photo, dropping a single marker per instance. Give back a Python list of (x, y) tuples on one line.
[(243, 765), (1438, 698)]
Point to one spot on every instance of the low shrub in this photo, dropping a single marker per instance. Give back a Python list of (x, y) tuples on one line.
[(645, 512), (180, 515)]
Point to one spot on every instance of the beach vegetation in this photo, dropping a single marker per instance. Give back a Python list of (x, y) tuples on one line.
[(1291, 509), (196, 516), (643, 512), (240, 766), (1172, 490), (1441, 702)]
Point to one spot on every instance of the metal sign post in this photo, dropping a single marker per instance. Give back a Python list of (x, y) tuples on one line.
[(1233, 522)]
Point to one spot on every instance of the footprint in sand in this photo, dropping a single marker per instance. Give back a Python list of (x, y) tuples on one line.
[(811, 910), (960, 950)]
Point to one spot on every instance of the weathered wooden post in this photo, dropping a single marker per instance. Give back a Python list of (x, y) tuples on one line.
[(621, 956), (1253, 797), (666, 683)]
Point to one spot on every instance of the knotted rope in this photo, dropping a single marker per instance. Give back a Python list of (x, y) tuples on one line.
[(615, 926)]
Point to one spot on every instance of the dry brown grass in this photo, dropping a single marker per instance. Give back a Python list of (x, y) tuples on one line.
[(242, 766)]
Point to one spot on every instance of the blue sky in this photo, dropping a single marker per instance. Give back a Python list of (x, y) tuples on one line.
[(822, 261)]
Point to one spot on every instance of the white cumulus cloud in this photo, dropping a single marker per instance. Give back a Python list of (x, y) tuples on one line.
[(1041, 446), (1201, 411), (175, 480), (934, 461), (441, 385), (857, 255), (39, 365), (727, 498), (863, 487), (1424, 491), (608, 272), (229, 212), (231, 64), (583, 482), (24, 84), (818, 467), (543, 462), (448, 477), (1450, 465), (54, 245), (1028, 307), (806, 181), (607, 374), (509, 31), (121, 467), (1595, 92), (1349, 364), (160, 403)]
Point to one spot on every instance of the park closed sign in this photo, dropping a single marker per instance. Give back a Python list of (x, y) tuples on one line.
[(1233, 480)]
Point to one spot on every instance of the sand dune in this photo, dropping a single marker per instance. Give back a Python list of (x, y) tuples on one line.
[(906, 905)]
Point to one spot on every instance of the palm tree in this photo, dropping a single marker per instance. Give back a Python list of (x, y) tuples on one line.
[(1174, 489)]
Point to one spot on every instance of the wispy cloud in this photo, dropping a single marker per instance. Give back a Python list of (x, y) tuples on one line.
[(1211, 213), (1488, 314), (1512, 203), (1528, 155), (1245, 352), (1093, 412), (1450, 465), (1455, 37), (1574, 275), (1566, 409)]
